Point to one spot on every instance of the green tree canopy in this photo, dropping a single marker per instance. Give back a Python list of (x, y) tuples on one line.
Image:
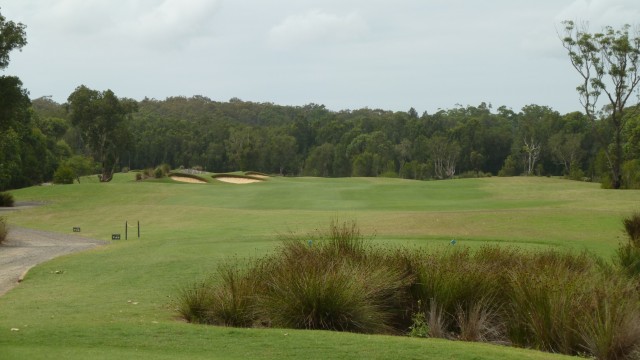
[(101, 118), (609, 65), (12, 36)]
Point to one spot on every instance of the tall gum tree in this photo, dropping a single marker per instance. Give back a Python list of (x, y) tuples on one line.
[(608, 64), (101, 118), (14, 109), (12, 36)]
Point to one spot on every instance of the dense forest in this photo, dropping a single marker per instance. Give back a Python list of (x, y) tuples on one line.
[(96, 132), (310, 140)]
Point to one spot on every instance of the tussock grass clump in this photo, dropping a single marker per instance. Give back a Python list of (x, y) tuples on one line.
[(611, 326), (628, 259), (195, 302), (6, 199), (632, 227), (234, 299), (628, 254), (545, 300), (464, 290), (553, 301), (337, 282), (333, 296), (227, 298), (574, 304)]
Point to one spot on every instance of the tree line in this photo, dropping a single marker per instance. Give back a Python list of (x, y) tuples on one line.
[(310, 140)]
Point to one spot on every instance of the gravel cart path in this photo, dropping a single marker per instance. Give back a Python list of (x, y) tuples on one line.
[(25, 248)]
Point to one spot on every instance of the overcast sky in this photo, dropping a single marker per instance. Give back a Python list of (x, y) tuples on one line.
[(345, 54)]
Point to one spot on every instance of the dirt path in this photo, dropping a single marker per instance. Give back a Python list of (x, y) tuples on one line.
[(25, 248)]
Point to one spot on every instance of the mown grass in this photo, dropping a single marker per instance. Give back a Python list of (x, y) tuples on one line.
[(188, 230)]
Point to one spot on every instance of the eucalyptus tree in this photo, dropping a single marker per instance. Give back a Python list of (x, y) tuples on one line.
[(608, 65), (12, 37), (14, 109), (101, 118), (445, 154)]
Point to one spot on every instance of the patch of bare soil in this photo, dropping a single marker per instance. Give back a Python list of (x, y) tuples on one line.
[(26, 248)]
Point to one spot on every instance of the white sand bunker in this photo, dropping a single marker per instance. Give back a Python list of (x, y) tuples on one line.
[(237, 180), (187, 179)]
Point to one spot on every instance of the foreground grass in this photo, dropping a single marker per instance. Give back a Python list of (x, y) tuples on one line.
[(198, 342), (118, 301)]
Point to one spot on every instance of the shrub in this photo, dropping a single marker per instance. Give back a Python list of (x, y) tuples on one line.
[(6, 199), (631, 174), (64, 175), (473, 174), (4, 230), (419, 324), (166, 168), (158, 173), (628, 259), (509, 168), (576, 172), (628, 254), (147, 173), (632, 227)]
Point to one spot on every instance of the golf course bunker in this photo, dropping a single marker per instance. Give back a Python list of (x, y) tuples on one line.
[(238, 180), (187, 179)]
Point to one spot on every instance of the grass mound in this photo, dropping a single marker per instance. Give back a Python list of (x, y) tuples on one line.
[(552, 301)]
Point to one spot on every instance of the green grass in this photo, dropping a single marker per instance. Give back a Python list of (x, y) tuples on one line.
[(88, 310)]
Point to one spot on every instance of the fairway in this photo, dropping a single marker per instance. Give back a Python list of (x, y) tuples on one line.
[(117, 301)]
